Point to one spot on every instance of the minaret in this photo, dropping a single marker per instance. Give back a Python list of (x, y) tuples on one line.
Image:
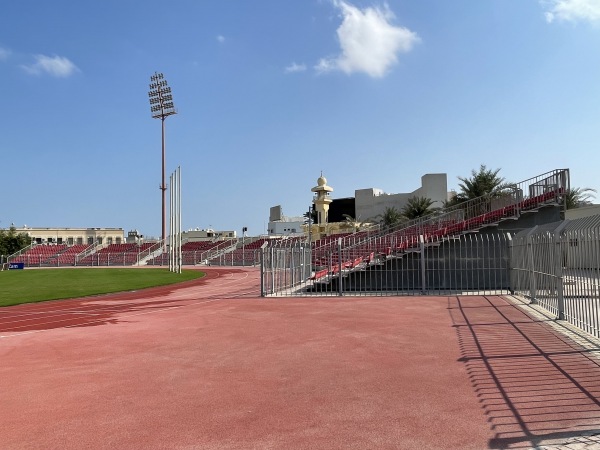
[(321, 199)]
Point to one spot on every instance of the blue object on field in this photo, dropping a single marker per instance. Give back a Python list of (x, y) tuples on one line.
[(13, 266)]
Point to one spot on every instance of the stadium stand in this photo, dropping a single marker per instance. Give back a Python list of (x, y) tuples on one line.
[(118, 254), (468, 217), (67, 257), (37, 255)]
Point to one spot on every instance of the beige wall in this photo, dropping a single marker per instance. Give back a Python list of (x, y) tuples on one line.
[(207, 235), (369, 203), (586, 211), (75, 235)]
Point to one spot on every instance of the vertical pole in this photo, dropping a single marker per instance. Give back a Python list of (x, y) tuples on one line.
[(273, 269), (173, 202), (340, 261), (558, 269), (530, 264), (566, 188), (423, 273), (309, 225), (309, 272), (179, 219), (173, 192), (292, 253), (510, 257), (262, 271), (171, 225), (163, 188)]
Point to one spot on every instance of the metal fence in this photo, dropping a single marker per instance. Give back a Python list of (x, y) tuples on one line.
[(557, 266), (475, 263)]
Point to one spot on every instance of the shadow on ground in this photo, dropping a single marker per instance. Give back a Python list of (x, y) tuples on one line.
[(536, 386)]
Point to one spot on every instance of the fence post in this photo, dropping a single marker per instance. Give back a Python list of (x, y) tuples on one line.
[(423, 273), (307, 260), (558, 267), (262, 272), (339, 250), (530, 270), (511, 249), (273, 270)]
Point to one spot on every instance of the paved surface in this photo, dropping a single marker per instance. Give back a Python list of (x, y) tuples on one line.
[(210, 365)]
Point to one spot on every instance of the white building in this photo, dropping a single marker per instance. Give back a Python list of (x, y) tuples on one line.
[(372, 202), (287, 226), (280, 225)]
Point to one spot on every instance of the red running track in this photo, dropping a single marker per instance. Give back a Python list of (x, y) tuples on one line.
[(210, 365)]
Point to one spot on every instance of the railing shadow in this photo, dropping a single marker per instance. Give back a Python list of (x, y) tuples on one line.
[(535, 385)]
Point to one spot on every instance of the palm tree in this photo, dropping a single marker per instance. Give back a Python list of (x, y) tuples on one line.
[(352, 222), (417, 207), (578, 197), (390, 217), (481, 183)]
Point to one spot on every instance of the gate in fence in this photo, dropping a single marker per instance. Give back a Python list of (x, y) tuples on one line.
[(474, 263), (557, 266)]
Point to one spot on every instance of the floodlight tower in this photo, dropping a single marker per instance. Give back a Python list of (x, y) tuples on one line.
[(161, 106)]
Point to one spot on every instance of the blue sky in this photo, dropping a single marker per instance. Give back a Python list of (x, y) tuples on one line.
[(271, 92)]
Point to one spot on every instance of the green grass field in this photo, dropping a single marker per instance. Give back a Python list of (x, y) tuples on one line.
[(27, 286)]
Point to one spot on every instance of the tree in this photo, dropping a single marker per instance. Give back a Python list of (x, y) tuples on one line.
[(481, 183), (312, 216), (578, 197), (11, 241), (391, 217), (351, 222), (417, 207)]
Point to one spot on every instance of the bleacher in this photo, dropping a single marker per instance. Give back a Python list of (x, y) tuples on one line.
[(38, 255), (194, 252), (468, 217), (67, 257), (118, 254), (161, 259), (245, 253)]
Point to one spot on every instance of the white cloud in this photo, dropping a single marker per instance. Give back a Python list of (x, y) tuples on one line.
[(57, 66), (221, 38), (293, 67), (369, 42), (572, 10), (4, 53)]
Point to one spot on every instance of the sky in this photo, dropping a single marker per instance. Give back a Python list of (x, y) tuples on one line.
[(269, 93)]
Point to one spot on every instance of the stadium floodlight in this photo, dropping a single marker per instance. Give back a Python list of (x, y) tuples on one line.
[(161, 107)]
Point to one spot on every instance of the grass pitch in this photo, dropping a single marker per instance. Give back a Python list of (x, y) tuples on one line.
[(28, 286)]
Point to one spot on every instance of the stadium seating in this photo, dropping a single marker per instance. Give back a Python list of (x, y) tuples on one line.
[(37, 255), (327, 262), (193, 253), (67, 257), (117, 255)]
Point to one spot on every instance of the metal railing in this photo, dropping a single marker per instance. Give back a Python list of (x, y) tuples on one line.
[(513, 201), (464, 265), (18, 253), (557, 267), (38, 256)]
